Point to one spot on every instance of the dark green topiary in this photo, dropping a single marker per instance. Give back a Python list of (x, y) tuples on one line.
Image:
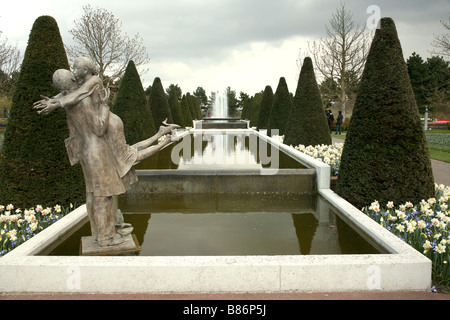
[(159, 104), (256, 108), (196, 107), (191, 105), (385, 156), (281, 108), (307, 123), (34, 167), (186, 112), (266, 107), (132, 107), (175, 109)]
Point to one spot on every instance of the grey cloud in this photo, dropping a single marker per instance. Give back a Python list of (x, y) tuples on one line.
[(195, 30)]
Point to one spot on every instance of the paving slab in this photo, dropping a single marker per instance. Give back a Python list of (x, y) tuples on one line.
[(377, 295)]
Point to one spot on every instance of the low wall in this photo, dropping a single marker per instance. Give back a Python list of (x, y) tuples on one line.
[(223, 181)]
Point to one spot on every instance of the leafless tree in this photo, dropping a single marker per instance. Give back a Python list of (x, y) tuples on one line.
[(10, 58), (98, 35), (441, 43), (341, 55)]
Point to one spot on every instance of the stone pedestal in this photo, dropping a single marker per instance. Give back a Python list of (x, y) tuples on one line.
[(89, 247)]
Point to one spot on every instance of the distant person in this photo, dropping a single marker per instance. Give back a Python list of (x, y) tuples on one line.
[(330, 120), (339, 121)]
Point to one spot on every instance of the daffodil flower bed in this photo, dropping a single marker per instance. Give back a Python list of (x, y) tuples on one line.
[(329, 154), (424, 226), (17, 225)]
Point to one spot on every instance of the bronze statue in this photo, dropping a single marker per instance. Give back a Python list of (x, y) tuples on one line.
[(98, 143)]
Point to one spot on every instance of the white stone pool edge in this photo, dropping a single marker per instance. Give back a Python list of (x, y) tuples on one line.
[(404, 269)]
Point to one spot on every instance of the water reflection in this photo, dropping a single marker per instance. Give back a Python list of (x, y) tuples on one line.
[(305, 228), (196, 224), (219, 150)]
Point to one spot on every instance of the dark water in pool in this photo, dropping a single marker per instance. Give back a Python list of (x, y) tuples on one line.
[(202, 225)]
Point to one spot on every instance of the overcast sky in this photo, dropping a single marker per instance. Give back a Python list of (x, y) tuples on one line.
[(244, 44)]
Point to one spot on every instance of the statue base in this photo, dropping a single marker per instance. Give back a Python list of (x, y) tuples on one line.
[(89, 247)]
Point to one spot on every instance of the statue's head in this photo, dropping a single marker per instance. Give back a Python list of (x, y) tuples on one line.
[(83, 66), (64, 80)]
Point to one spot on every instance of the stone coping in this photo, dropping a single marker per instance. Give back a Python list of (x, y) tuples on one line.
[(403, 269)]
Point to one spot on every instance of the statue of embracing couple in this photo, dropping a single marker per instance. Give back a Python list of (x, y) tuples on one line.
[(98, 143)]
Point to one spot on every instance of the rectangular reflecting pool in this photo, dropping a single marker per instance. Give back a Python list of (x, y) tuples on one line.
[(207, 225), (233, 225), (220, 150)]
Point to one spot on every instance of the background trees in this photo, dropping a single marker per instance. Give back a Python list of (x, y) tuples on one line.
[(200, 94), (430, 81), (10, 59), (34, 167)]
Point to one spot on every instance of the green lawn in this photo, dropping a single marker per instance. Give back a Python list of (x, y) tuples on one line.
[(438, 143)]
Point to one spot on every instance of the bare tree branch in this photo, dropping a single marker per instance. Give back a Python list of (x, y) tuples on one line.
[(10, 59), (441, 43), (98, 35), (341, 55)]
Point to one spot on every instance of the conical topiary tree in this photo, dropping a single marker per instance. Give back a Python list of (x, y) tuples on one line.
[(307, 123), (385, 155), (34, 166), (175, 109), (186, 112), (191, 105), (266, 107), (197, 109), (256, 109), (132, 107), (281, 108), (159, 104)]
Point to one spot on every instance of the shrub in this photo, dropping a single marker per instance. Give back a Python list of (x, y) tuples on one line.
[(281, 108), (132, 107), (266, 107), (175, 109), (34, 167), (307, 123), (159, 104), (385, 155), (186, 112), (256, 109)]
